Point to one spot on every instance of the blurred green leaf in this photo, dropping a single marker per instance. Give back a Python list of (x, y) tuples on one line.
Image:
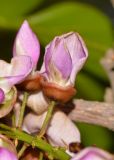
[(92, 24), (13, 12), (95, 135), (15, 8), (89, 88)]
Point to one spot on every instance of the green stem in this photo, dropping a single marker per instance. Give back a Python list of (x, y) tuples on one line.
[(13, 133), (22, 110), (24, 147), (47, 119), (41, 156)]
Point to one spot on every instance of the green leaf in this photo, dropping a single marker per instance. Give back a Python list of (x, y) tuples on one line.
[(94, 27), (65, 17), (15, 8), (95, 135), (13, 12), (89, 88)]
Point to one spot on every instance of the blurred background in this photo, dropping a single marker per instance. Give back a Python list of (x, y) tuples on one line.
[(93, 19)]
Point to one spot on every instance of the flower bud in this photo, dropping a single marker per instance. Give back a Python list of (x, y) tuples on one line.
[(63, 59), (26, 43)]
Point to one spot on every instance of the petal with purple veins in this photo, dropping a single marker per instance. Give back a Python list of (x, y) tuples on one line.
[(26, 43), (78, 52), (58, 60), (48, 54), (62, 60)]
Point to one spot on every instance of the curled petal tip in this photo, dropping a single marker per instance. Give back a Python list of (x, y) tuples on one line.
[(26, 43)]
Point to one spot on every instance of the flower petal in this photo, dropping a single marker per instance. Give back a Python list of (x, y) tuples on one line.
[(37, 102), (61, 131), (26, 43), (14, 73), (8, 144), (75, 45), (66, 54), (5, 154), (78, 52), (60, 60), (2, 96), (8, 103), (92, 153), (32, 122)]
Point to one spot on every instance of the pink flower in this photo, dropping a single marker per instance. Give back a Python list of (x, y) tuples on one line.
[(11, 74), (26, 43), (63, 59)]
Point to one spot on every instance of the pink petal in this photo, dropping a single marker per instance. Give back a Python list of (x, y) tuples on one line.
[(60, 59), (78, 52), (14, 73), (2, 96), (5, 154), (26, 43), (61, 130), (67, 53), (92, 153), (37, 102)]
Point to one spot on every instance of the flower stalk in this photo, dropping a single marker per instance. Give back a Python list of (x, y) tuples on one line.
[(37, 142), (24, 147), (22, 110), (41, 156), (47, 119)]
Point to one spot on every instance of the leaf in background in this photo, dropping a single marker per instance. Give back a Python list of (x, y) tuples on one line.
[(92, 24), (95, 135), (88, 87), (12, 12), (15, 8)]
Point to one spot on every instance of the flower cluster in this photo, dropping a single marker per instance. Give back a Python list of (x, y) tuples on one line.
[(64, 57)]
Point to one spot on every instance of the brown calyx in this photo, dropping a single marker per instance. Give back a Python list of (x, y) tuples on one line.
[(31, 154), (56, 92), (75, 147), (32, 83)]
